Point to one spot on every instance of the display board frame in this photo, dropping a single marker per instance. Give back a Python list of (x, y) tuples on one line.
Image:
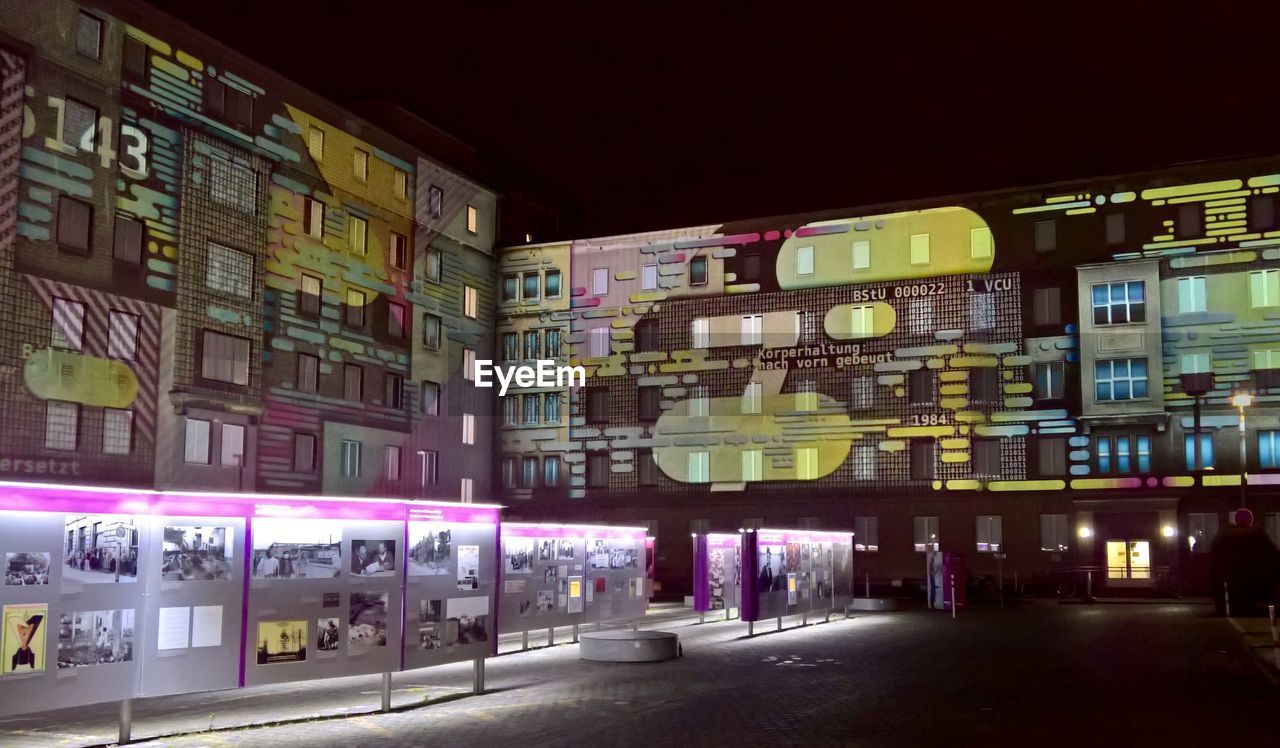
[(795, 572), (717, 572)]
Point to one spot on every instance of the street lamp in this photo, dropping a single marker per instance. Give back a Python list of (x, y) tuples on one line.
[(1242, 400)]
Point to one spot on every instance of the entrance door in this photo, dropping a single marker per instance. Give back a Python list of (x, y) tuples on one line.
[(1126, 546), (1128, 559)]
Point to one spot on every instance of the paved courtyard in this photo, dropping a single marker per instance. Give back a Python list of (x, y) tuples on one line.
[(1038, 673)]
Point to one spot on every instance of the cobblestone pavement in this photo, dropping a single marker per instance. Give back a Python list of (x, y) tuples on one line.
[(1038, 673)]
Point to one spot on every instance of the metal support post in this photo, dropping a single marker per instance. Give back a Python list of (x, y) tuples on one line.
[(1226, 598), (477, 681), (551, 636), (779, 626), (953, 596), (386, 692), (575, 633), (868, 585), (126, 720), (1275, 635), (524, 641)]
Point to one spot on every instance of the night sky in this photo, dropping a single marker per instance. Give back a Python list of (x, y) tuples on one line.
[(655, 115)]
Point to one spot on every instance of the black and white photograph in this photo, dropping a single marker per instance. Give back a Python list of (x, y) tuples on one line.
[(468, 567), (95, 637), (430, 611), (565, 549), (373, 558), (546, 549), (469, 617), (624, 558), (327, 635), (367, 623), (331, 600), (100, 549), (771, 563), (429, 637), (196, 554), (518, 555), (525, 607), (549, 575), (296, 549), (546, 601), (599, 554), (430, 549), (26, 569)]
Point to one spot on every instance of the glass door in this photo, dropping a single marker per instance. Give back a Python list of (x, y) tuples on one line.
[(1128, 559)]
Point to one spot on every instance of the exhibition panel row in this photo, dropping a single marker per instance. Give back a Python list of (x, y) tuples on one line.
[(111, 594)]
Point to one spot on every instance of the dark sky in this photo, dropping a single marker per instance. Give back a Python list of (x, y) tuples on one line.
[(635, 116)]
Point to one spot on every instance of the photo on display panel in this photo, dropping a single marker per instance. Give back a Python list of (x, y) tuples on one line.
[(549, 575), (430, 549), (430, 611), (518, 554), (22, 639), (282, 642), (624, 558), (468, 620), (429, 637), (96, 637), (772, 576), (100, 549), (546, 601), (327, 635), (196, 553), (546, 549), (565, 550), (26, 569), (468, 567), (296, 549), (373, 558), (599, 554), (715, 577), (791, 561), (367, 623)]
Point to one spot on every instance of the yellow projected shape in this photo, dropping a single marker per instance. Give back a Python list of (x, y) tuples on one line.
[(76, 378)]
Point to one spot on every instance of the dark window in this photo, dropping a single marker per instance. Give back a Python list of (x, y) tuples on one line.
[(922, 459), (214, 97), (597, 470), (529, 472), (1046, 236), (433, 262), (397, 314), (510, 288), (1115, 228), (431, 327), (552, 343), (430, 398), (75, 221), (510, 346), (310, 294), (1189, 220), (308, 373), (1262, 212), (698, 270), (984, 385), (394, 395), (224, 358), (646, 335), (1119, 303), (355, 308), (89, 36), (650, 400), (597, 405), (130, 235), (532, 344), (1049, 380), (750, 267), (1046, 306), (399, 251), (646, 468), (304, 453), (551, 471), (920, 386), (552, 283), (1051, 456), (228, 103), (532, 284), (986, 457), (353, 382), (435, 201), (135, 59)]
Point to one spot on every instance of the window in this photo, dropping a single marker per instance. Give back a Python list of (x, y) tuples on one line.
[(599, 338), (1116, 454), (804, 260), (350, 458), (308, 373), (1046, 306), (433, 262), (360, 164), (597, 405), (600, 281), (752, 464), (1049, 380), (864, 392), (1196, 363), (980, 246), (750, 266), (469, 429), (1046, 236), (532, 345), (232, 453), (989, 533), (552, 343), (597, 470), (358, 234), (1206, 450), (431, 331), (435, 201), (117, 431), (1191, 294), (136, 56), (196, 451), (1120, 379), (751, 398), (1053, 533), (529, 472), (1262, 213), (429, 463), (391, 462), (1269, 449), (470, 301), (510, 346), (701, 333), (919, 249), (531, 286), (646, 335), (225, 358), (920, 386), (1119, 303), (304, 453), (1264, 288), (355, 308), (982, 312), (469, 364), (646, 468), (922, 453), (229, 270), (1115, 228), (866, 534), (510, 288), (698, 271), (984, 385), (551, 284), (61, 425), (864, 462), (130, 235), (315, 142), (699, 467), (1189, 220), (89, 36), (649, 277), (807, 463), (551, 471), (399, 251), (313, 218), (400, 183), (311, 289), (393, 391), (510, 411), (467, 491), (986, 457), (861, 254), (353, 382), (430, 398), (551, 407), (926, 533), (75, 223), (79, 125), (649, 403), (473, 219), (68, 325), (233, 185), (397, 317), (122, 335), (1201, 529), (752, 328), (1051, 456), (1266, 358), (806, 397), (699, 405), (530, 403), (227, 102), (862, 321)]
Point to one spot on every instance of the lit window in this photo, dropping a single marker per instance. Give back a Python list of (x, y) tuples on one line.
[(196, 451), (1116, 454), (117, 431), (1191, 294), (600, 281), (752, 464), (919, 249), (61, 425), (698, 271), (355, 308), (529, 472), (1266, 358), (804, 260), (751, 398), (232, 445), (864, 462), (510, 288), (807, 463), (350, 458), (473, 219), (701, 333), (1119, 303), (552, 343), (1053, 533), (861, 254), (312, 288), (400, 183), (469, 428), (391, 462), (699, 403), (432, 261), (470, 301), (599, 342), (1197, 363), (467, 492), (68, 324), (229, 271), (926, 533), (862, 320), (1269, 449), (699, 467), (866, 534), (551, 283), (315, 142), (361, 164), (649, 277), (313, 217), (989, 533), (980, 243), (358, 234), (551, 471), (532, 344), (1206, 450), (1264, 288), (469, 364), (752, 328), (530, 285), (529, 405), (1120, 379)]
